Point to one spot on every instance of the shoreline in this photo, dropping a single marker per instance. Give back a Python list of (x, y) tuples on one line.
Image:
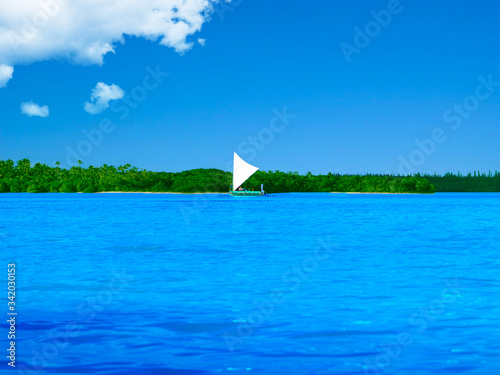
[(330, 192), (378, 192), (224, 193), (149, 192)]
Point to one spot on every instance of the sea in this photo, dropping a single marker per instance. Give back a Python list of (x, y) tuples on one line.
[(299, 283)]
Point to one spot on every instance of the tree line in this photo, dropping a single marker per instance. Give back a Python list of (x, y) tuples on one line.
[(467, 183), (22, 176)]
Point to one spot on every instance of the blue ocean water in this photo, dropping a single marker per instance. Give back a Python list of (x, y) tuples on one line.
[(286, 284)]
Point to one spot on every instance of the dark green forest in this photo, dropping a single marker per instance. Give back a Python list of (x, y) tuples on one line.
[(41, 178), (472, 182)]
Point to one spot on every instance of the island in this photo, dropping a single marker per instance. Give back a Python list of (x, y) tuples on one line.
[(22, 176)]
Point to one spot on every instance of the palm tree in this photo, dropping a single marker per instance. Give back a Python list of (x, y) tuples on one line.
[(24, 165)]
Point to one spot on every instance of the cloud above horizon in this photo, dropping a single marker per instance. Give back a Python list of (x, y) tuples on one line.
[(5, 74), (102, 94), (84, 31), (32, 109)]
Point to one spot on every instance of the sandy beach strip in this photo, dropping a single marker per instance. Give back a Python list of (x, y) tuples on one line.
[(150, 192)]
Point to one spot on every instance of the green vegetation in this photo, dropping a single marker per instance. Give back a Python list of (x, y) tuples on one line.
[(472, 182), (280, 182), (40, 178)]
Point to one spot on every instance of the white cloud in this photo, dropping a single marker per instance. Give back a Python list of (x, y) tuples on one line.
[(31, 109), (84, 31), (201, 41), (5, 74), (102, 94)]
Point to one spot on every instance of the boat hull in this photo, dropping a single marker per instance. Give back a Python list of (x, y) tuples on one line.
[(246, 193)]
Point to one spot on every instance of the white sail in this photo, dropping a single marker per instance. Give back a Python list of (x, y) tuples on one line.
[(241, 171)]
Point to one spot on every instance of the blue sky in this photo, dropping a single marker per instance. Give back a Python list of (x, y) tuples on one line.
[(395, 107)]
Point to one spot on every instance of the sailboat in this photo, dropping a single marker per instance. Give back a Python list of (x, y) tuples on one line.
[(242, 172)]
